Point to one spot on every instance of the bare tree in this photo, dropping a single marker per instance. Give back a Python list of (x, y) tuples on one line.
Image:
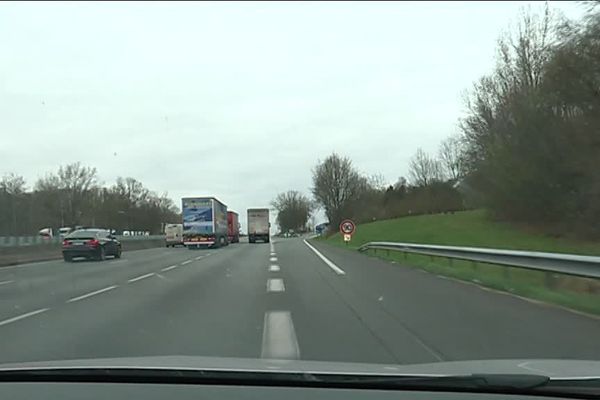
[(293, 210), (451, 156), (335, 182), (13, 186), (76, 182), (424, 170)]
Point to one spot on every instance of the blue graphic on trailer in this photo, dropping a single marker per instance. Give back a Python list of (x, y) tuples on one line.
[(197, 216)]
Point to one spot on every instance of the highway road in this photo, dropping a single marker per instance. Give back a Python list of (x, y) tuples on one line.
[(286, 299)]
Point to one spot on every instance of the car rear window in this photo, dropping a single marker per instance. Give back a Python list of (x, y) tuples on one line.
[(83, 235)]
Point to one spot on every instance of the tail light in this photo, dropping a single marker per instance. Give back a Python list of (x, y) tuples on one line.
[(92, 242), (66, 243)]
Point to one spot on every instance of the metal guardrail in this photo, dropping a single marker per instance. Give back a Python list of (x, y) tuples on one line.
[(20, 241), (569, 264)]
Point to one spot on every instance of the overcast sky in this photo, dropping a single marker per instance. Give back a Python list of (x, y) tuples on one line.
[(236, 100)]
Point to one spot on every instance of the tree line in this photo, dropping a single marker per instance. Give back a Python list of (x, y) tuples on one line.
[(527, 147), (73, 196), (532, 127)]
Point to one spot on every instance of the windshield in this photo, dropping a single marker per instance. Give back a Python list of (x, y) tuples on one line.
[(390, 183)]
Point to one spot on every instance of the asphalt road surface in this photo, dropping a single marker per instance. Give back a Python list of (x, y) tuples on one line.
[(285, 299)]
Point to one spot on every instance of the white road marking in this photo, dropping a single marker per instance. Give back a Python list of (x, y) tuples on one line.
[(29, 314), (331, 265), (186, 262), (139, 278), (199, 257), (169, 268), (273, 259), (85, 296), (279, 338), (275, 285), (274, 268), (6, 282), (273, 254)]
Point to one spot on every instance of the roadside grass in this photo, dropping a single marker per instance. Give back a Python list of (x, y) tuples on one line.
[(472, 228)]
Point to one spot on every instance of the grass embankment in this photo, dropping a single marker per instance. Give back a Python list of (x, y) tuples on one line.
[(475, 229)]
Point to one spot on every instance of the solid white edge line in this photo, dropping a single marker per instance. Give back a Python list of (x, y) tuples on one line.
[(279, 337), (18, 317), (106, 289), (331, 265), (169, 268), (141, 277), (274, 268), (186, 262), (275, 285), (6, 282)]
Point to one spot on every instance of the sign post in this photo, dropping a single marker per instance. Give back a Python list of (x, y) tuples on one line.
[(347, 228)]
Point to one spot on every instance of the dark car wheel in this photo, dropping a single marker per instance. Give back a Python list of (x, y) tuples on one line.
[(101, 254), (118, 253), (67, 258)]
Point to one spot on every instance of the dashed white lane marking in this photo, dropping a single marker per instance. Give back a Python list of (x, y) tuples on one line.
[(331, 265), (18, 317), (199, 257), (186, 262), (274, 268), (85, 296), (139, 278), (273, 259), (6, 282), (275, 285), (169, 268), (273, 254), (279, 337)]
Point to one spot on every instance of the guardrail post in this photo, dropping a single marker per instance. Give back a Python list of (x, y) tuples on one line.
[(474, 265), (387, 253), (450, 262)]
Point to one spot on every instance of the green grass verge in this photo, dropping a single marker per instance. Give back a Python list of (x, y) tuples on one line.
[(466, 228), (472, 228)]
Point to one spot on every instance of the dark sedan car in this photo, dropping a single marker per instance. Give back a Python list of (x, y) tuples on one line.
[(90, 243)]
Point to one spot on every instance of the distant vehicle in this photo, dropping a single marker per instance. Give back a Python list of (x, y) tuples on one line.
[(64, 231), (258, 225), (46, 233), (321, 228), (173, 235), (233, 227), (204, 222), (90, 243)]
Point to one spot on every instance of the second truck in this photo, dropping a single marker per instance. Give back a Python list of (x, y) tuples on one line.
[(233, 227), (204, 222)]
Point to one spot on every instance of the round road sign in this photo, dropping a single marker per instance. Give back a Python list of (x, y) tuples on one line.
[(347, 227)]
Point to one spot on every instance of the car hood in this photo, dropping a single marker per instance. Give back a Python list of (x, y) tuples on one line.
[(553, 368)]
